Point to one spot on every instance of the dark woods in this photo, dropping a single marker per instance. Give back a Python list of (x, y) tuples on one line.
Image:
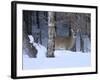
[(28, 47), (44, 26)]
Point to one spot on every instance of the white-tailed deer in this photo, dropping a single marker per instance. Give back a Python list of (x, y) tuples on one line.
[(65, 42)]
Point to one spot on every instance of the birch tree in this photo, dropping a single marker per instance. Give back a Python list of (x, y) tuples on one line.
[(51, 34)]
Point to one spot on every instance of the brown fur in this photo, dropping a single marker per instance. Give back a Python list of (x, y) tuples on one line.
[(64, 42)]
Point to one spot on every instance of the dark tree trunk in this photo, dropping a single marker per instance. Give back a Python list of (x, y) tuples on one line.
[(39, 28)]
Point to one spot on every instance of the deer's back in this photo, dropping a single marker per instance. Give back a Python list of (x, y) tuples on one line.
[(64, 42)]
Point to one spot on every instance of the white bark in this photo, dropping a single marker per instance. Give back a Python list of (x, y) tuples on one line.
[(51, 34)]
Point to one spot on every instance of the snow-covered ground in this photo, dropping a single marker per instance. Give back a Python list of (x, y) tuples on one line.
[(62, 59)]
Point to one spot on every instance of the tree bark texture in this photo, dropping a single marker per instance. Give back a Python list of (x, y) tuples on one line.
[(51, 34)]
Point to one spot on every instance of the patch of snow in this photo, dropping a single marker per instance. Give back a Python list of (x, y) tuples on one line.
[(31, 38), (62, 59)]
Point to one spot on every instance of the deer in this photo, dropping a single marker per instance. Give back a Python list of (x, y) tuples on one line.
[(65, 43)]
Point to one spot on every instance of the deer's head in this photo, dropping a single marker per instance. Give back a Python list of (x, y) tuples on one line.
[(74, 32)]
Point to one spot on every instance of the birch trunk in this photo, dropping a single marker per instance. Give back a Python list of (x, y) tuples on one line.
[(51, 34)]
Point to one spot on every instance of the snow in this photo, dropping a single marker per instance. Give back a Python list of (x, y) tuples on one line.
[(62, 59), (31, 38)]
